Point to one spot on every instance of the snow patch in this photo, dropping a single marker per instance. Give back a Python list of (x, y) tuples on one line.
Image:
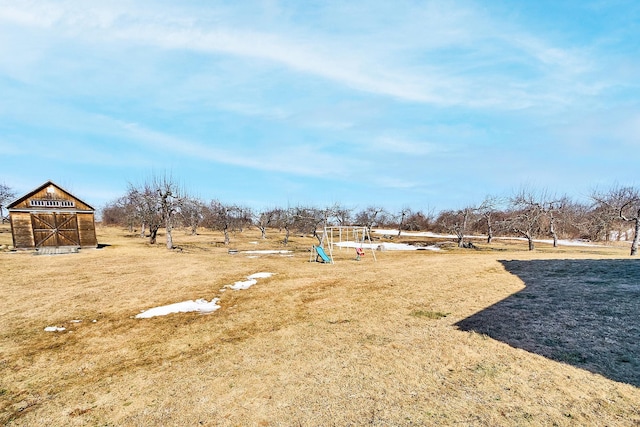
[(394, 233), (199, 305), (261, 275), (55, 329), (243, 284), (386, 246), (268, 252)]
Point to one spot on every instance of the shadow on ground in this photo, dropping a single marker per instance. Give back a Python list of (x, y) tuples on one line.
[(581, 312)]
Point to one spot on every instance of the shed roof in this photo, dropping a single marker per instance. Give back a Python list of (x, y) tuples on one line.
[(21, 200)]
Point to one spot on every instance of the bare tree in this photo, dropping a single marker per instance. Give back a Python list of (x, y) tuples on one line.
[(310, 220), (417, 221), (6, 195), (171, 198), (457, 222), (146, 209), (553, 209), (580, 221), (370, 217), (625, 202), (192, 213), (402, 216), (488, 210), (265, 219), (285, 220), (226, 218), (120, 212), (525, 215), (342, 214), (156, 203)]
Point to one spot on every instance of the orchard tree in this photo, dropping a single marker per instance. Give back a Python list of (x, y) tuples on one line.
[(554, 209), (625, 203), (372, 216), (285, 220), (157, 203), (265, 219), (417, 221), (6, 195), (525, 215), (192, 213), (457, 222), (226, 218), (310, 220), (171, 198), (145, 209), (579, 221), (120, 212), (488, 211), (343, 215), (404, 213)]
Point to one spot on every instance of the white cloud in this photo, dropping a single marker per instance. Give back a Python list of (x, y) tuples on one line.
[(373, 65), (404, 146), (299, 159)]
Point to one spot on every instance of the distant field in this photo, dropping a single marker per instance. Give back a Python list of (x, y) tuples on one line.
[(498, 336)]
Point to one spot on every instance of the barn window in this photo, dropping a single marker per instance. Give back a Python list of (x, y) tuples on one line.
[(52, 203)]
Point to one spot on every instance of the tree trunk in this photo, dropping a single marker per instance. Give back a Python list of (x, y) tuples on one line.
[(143, 230), (226, 235), (634, 243), (169, 236), (554, 235), (153, 234), (460, 240), (531, 245), (489, 232), (286, 236)]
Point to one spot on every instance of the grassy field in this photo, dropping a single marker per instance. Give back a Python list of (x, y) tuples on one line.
[(497, 336)]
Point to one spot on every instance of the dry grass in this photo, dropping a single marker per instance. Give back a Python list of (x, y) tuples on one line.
[(355, 343)]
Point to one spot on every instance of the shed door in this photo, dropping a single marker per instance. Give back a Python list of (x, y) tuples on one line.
[(55, 229)]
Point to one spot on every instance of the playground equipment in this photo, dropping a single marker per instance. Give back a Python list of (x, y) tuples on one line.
[(344, 237), (322, 255)]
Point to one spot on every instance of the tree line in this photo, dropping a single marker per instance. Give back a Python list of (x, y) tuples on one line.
[(160, 202), (612, 214)]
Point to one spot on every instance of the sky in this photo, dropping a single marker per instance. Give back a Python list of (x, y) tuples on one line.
[(431, 105)]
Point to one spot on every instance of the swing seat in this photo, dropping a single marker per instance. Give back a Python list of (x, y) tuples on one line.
[(359, 252)]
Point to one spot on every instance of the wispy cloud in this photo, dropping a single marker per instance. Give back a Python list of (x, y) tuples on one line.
[(403, 146), (302, 160), (376, 67), (363, 92)]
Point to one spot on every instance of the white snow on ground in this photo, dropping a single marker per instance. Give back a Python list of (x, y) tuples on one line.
[(243, 284), (261, 275), (55, 329), (386, 246), (199, 305), (394, 233), (251, 280), (267, 252)]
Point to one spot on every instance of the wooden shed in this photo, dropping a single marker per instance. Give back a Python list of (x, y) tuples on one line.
[(50, 217)]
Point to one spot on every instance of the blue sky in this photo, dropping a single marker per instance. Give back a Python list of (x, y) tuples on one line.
[(432, 105)]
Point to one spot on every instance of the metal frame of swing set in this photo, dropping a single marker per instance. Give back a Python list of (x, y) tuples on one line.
[(358, 233)]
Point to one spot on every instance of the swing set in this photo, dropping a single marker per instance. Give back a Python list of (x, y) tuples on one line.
[(344, 237)]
